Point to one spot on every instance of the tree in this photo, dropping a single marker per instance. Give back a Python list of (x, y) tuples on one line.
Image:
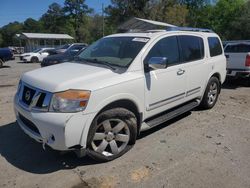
[(1, 39), (77, 11), (169, 11), (52, 20), (120, 10), (241, 25), (31, 25), (223, 17), (9, 31)]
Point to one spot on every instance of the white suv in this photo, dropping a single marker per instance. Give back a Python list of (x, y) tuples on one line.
[(119, 86)]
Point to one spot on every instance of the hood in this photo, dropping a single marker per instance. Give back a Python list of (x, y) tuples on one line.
[(57, 57), (66, 76)]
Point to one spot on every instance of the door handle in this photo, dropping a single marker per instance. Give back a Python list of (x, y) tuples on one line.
[(180, 72)]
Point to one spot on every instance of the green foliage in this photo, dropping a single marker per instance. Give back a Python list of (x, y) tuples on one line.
[(31, 25), (120, 10), (241, 25), (1, 39), (77, 11), (9, 31)]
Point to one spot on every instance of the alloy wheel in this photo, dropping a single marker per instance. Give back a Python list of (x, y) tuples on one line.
[(212, 93), (111, 137)]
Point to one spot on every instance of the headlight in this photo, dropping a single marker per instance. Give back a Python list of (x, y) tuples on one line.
[(70, 101)]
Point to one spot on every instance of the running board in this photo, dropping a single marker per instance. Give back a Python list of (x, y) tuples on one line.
[(170, 114)]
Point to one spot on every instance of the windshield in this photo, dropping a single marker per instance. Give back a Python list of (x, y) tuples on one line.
[(64, 46), (37, 50), (118, 51)]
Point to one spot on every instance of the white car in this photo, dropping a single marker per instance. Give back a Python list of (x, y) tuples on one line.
[(119, 86), (37, 55), (238, 59)]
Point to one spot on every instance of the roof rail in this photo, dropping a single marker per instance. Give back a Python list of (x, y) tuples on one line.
[(189, 29)]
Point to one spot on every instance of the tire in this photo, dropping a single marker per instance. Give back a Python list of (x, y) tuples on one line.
[(112, 133), (211, 94), (1, 63), (34, 60)]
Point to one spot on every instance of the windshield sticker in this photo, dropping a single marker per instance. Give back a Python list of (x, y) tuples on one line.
[(141, 39)]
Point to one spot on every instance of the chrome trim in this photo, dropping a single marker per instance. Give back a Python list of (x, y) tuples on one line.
[(193, 91), (165, 101), (35, 98)]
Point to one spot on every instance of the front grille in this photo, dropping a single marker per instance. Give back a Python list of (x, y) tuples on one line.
[(29, 124), (32, 98), (28, 95)]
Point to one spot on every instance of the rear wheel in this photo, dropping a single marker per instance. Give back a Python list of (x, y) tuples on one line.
[(211, 94), (112, 134), (34, 60)]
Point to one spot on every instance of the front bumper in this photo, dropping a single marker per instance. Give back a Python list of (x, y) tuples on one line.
[(25, 58), (60, 131)]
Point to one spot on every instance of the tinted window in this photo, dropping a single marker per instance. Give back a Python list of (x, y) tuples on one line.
[(52, 52), (192, 48), (239, 48), (214, 46), (167, 47), (119, 51)]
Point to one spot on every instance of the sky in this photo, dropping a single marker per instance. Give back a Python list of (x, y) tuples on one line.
[(20, 10)]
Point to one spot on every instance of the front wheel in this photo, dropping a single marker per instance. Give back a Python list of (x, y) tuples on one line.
[(211, 94), (34, 60), (112, 133)]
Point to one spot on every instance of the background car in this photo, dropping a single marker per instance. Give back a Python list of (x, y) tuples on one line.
[(5, 55), (65, 47), (238, 59), (63, 57), (37, 55)]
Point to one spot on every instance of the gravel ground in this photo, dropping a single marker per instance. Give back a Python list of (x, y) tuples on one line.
[(199, 149)]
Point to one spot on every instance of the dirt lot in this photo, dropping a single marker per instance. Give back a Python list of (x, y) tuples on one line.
[(199, 149)]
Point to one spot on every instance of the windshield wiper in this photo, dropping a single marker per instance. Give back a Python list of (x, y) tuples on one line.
[(99, 62)]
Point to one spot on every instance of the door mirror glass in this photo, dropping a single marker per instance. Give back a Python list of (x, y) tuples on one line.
[(158, 62)]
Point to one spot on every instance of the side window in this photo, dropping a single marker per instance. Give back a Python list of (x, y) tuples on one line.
[(244, 48), (166, 47), (192, 48), (214, 46)]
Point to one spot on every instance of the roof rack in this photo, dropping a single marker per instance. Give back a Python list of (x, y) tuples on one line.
[(189, 29)]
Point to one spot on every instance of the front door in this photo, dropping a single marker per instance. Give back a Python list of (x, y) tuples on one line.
[(165, 88)]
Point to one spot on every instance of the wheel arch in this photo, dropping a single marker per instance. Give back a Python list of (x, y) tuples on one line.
[(218, 76), (127, 104)]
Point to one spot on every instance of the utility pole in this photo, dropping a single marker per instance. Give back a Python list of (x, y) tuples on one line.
[(102, 19)]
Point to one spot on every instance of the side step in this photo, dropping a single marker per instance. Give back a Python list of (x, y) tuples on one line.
[(170, 114)]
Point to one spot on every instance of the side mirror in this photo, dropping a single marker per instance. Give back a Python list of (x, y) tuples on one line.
[(158, 62)]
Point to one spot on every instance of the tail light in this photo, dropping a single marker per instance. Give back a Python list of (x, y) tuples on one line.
[(247, 63)]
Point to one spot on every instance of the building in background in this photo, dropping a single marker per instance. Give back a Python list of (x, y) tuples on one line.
[(34, 41)]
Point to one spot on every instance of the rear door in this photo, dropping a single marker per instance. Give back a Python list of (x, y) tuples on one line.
[(236, 56), (193, 57)]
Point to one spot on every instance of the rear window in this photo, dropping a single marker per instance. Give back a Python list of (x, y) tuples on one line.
[(239, 48), (214, 46), (192, 48)]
